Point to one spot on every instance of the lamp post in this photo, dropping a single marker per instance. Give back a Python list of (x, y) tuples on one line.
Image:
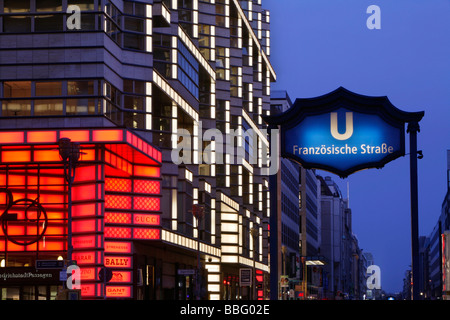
[(70, 154)]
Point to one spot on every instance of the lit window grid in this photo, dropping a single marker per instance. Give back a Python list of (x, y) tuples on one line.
[(172, 93), (253, 36), (196, 53)]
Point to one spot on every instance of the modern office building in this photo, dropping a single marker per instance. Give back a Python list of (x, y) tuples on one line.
[(126, 81), (337, 239), (435, 262), (290, 205)]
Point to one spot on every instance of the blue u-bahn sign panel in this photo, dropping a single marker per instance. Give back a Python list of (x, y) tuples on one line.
[(343, 132)]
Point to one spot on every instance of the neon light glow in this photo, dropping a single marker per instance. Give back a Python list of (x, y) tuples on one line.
[(117, 232), (96, 206), (83, 241), (145, 186), (117, 247), (84, 257), (107, 135), (148, 234), (75, 135), (118, 291), (118, 262), (118, 217), (41, 136), (117, 202), (121, 276), (146, 203), (146, 219)]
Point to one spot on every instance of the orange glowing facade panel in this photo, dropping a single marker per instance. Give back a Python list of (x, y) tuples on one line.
[(121, 276), (106, 199), (41, 136), (12, 137), (84, 209), (84, 257), (47, 156), (118, 247), (144, 171), (118, 291), (107, 136), (146, 234), (146, 186), (83, 242), (75, 135), (83, 192), (118, 262), (83, 226), (16, 156), (146, 203), (146, 219), (117, 202), (88, 274), (118, 217), (118, 232)]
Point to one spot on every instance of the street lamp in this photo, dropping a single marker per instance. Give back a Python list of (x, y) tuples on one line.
[(70, 154)]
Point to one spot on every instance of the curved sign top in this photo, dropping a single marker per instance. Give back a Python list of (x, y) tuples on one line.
[(343, 132)]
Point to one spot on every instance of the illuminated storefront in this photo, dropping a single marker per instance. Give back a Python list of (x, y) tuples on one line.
[(115, 201)]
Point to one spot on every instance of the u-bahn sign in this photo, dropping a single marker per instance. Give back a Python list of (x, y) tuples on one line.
[(343, 132)]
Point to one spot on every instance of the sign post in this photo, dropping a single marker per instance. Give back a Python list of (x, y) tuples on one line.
[(343, 132)]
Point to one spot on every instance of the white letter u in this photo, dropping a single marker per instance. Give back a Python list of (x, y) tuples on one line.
[(348, 126)]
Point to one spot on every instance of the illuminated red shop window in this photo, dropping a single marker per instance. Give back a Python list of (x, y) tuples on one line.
[(37, 194), (125, 190)]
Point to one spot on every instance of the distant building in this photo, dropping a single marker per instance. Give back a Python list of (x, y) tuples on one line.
[(432, 261), (290, 207), (336, 238)]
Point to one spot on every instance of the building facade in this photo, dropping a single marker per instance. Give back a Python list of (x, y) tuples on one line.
[(140, 79), (290, 206)]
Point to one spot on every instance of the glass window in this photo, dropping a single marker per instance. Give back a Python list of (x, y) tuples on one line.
[(81, 87), (133, 41), (17, 89), (134, 102), (48, 88), (49, 5), (48, 107), (134, 24), (52, 22), (83, 4), (13, 6), (16, 24), (16, 108), (80, 106)]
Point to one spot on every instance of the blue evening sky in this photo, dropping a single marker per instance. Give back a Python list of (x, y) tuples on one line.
[(319, 45)]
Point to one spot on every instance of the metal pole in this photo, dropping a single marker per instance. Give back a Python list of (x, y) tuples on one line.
[(413, 128), (273, 186)]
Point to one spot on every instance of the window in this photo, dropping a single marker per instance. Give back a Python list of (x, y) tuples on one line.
[(48, 88), (17, 89), (80, 106), (48, 5), (15, 6), (80, 87), (16, 108), (48, 107), (83, 4), (188, 70), (19, 24), (52, 22)]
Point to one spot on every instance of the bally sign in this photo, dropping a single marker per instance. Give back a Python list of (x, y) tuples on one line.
[(343, 132)]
